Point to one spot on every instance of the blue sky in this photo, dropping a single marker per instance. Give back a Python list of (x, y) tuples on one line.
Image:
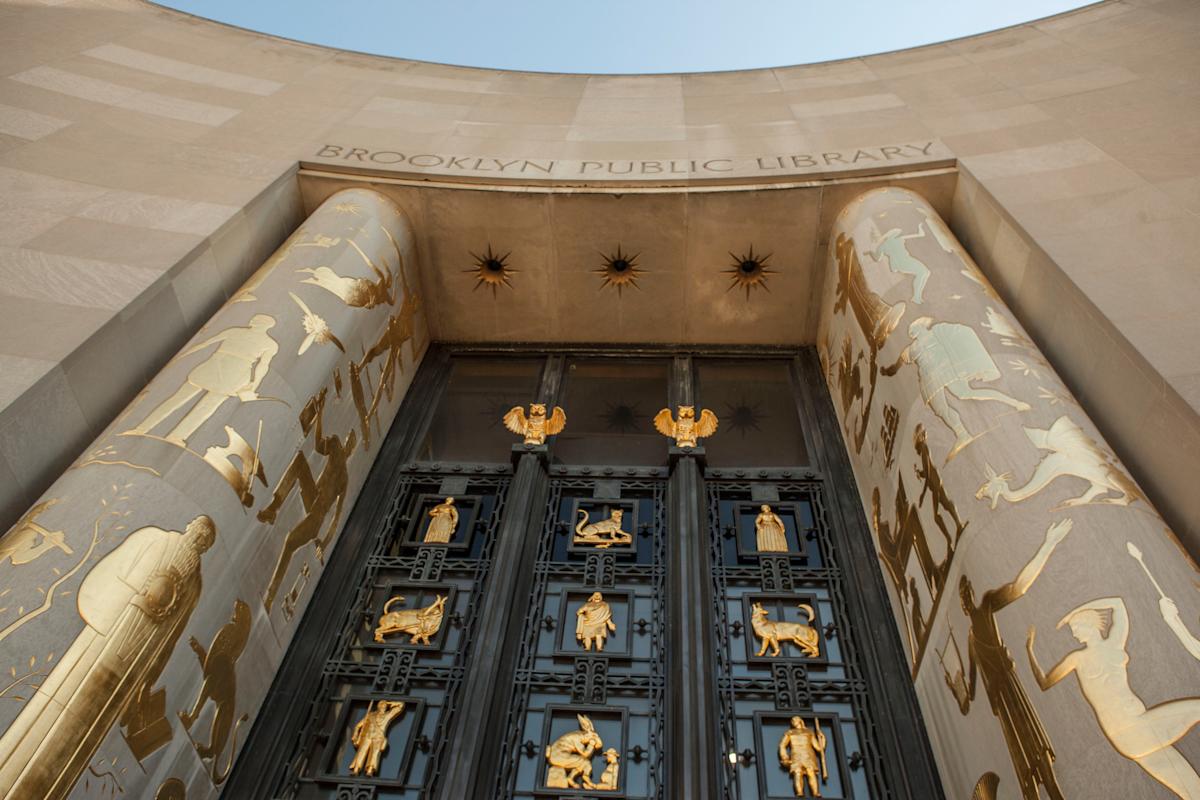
[(614, 36)]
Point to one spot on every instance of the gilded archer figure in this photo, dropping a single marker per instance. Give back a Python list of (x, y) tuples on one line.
[(770, 534), (443, 521), (1028, 745), (1144, 735)]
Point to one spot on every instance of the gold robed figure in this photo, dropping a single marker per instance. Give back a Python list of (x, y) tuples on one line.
[(443, 521), (802, 753), (134, 603), (570, 757), (770, 534), (593, 622), (369, 736)]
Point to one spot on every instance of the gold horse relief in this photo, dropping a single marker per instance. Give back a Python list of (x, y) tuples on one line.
[(1070, 453)]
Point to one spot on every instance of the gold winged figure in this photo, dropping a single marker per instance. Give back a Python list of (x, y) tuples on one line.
[(537, 426), (686, 429)]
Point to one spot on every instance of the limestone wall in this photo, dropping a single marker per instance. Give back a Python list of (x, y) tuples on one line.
[(1011, 538), (150, 594)]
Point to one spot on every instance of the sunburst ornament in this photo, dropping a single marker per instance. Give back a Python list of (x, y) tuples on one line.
[(492, 270), (620, 270), (621, 417), (749, 271), (744, 416)]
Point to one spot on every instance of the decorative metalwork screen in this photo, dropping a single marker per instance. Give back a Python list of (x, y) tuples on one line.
[(406, 638), (573, 663), (787, 649)]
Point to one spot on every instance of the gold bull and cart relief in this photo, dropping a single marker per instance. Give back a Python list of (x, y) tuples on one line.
[(569, 760), (1144, 735), (219, 667), (772, 632), (421, 624), (802, 754), (135, 603), (1069, 453), (989, 660)]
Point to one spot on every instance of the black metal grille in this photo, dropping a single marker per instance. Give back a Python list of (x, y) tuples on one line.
[(620, 689), (759, 694)]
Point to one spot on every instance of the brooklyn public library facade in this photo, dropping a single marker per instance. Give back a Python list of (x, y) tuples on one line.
[(381, 429)]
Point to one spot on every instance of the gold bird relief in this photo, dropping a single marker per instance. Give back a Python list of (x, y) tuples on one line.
[(537, 426), (686, 429)]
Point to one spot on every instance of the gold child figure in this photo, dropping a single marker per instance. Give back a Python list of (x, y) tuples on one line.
[(443, 521), (593, 622), (802, 753), (770, 535), (608, 778), (369, 736)]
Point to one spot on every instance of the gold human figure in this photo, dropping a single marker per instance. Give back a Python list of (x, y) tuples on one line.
[(369, 736), (570, 757), (27, 539), (770, 534), (234, 370), (219, 666), (949, 357), (900, 538), (443, 521), (1144, 735), (420, 623), (608, 778), (1168, 609), (1028, 745), (772, 632), (802, 754), (537, 426), (593, 622), (134, 603), (893, 246), (931, 483), (1070, 453), (686, 428), (320, 495), (604, 533)]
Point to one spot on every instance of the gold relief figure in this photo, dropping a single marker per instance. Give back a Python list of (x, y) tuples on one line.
[(1144, 735), (771, 632), (949, 357), (986, 787), (602, 534), (28, 539), (369, 736), (1028, 745), (240, 478), (876, 320), (401, 328), (134, 603), (537, 426), (769, 533), (900, 538), (443, 521), (593, 622), (316, 329), (319, 496), (171, 789), (570, 757), (354, 292), (802, 754), (608, 778), (1071, 453), (849, 379), (686, 428), (931, 483), (234, 370), (219, 666), (888, 434), (421, 624), (293, 596), (1168, 609), (893, 246)]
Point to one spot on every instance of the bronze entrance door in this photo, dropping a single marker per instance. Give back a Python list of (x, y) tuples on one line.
[(607, 613)]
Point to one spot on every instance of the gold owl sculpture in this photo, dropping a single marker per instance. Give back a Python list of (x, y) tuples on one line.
[(536, 427), (686, 429)]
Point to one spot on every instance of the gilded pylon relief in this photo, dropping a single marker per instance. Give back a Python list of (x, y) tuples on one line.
[(193, 530), (1049, 614)]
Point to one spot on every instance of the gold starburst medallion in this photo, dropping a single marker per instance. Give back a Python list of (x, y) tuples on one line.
[(749, 271), (492, 270), (620, 270)]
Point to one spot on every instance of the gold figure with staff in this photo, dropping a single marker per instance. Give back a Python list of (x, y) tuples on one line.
[(802, 752)]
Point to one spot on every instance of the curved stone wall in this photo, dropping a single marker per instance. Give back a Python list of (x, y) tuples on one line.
[(1049, 614), (202, 516)]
